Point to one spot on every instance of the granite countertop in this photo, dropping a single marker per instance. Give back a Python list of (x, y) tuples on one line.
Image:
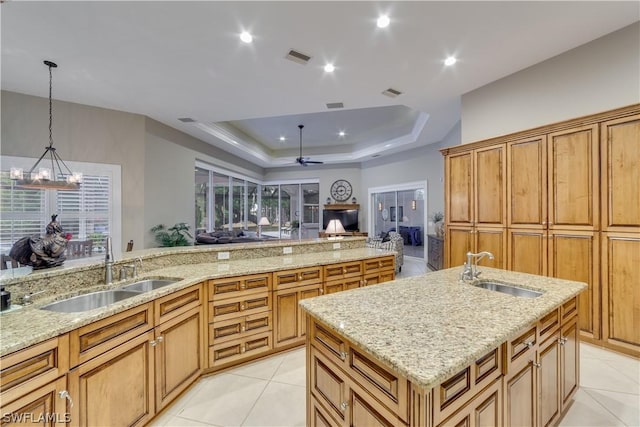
[(429, 327), (30, 325)]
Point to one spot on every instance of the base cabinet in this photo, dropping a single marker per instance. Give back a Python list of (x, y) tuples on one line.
[(44, 406), (484, 410), (289, 320), (116, 388)]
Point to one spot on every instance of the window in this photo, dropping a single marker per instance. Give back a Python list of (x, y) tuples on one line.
[(90, 213)]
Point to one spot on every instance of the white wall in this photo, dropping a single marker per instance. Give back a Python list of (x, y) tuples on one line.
[(598, 76)]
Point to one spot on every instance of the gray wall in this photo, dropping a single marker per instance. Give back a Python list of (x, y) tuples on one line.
[(598, 76)]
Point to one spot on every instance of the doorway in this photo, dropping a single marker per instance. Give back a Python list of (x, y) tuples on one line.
[(400, 208)]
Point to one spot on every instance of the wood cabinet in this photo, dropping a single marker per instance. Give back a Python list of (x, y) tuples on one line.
[(485, 409), (461, 239), (290, 321), (117, 387), (435, 255), (233, 302), (569, 186), (43, 406), (621, 291), (374, 271)]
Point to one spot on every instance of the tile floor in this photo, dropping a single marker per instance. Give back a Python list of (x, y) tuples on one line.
[(271, 392)]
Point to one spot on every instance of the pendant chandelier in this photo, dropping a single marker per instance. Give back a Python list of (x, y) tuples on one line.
[(45, 177)]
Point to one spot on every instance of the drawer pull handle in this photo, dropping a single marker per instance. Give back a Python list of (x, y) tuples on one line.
[(343, 355), (562, 340), (153, 343), (242, 307), (380, 264), (160, 338), (344, 406), (322, 291), (300, 277), (243, 286), (243, 349), (344, 271), (537, 365), (64, 394), (244, 328), (529, 344)]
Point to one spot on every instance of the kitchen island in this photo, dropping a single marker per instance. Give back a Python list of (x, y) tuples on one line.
[(432, 350)]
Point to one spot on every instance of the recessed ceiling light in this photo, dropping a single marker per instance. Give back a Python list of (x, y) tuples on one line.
[(282, 138), (246, 37), (383, 21), (450, 61), (341, 133), (329, 68)]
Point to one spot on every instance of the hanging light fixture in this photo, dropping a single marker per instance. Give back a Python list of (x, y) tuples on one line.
[(43, 177)]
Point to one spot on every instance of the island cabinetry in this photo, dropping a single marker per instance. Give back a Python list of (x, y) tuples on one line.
[(291, 287), (33, 379), (236, 302), (178, 342), (351, 386), (542, 369), (485, 409)]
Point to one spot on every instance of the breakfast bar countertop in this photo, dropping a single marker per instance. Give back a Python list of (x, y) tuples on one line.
[(429, 327), (30, 325)]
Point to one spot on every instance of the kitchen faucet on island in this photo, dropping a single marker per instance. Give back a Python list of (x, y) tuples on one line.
[(470, 271)]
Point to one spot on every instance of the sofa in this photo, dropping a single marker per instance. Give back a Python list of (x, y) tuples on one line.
[(390, 241), (225, 236)]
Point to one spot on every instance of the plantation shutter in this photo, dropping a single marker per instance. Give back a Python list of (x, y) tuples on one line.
[(21, 212)]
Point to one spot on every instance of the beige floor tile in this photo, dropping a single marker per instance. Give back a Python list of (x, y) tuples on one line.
[(263, 369), (281, 405), (591, 351), (586, 412), (176, 421), (627, 366), (224, 399), (293, 370), (624, 406), (597, 374)]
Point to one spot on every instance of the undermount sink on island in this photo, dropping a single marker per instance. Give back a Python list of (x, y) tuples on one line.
[(433, 350)]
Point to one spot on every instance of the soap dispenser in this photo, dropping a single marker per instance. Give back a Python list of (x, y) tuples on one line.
[(5, 299)]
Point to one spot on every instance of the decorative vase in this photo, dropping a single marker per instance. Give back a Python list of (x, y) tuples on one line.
[(439, 228)]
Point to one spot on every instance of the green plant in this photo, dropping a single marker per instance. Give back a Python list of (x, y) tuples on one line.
[(295, 224), (172, 236)]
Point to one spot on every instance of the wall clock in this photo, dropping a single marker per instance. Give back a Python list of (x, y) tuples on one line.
[(341, 190)]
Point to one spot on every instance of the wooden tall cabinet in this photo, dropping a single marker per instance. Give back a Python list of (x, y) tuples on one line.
[(570, 209)]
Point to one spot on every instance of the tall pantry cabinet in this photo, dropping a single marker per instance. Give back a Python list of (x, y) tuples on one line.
[(563, 201)]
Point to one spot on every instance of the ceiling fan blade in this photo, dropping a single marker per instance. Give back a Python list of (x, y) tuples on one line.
[(313, 162)]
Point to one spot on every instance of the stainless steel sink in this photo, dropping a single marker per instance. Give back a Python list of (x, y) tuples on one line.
[(89, 301), (508, 289), (149, 285)]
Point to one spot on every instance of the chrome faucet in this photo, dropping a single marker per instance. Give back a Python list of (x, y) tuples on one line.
[(470, 270), (108, 263), (133, 267)]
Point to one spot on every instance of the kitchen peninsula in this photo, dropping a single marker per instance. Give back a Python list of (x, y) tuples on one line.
[(124, 362), (432, 350)]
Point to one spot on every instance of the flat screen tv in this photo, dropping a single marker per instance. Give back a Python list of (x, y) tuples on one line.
[(348, 218)]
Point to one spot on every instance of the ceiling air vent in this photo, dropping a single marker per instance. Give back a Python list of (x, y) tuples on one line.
[(331, 105), (186, 120), (298, 57), (391, 93)]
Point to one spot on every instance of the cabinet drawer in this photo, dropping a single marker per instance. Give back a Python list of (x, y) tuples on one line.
[(456, 391), (329, 343), (96, 338), (342, 285), (239, 327), (485, 409), (568, 310), (26, 370), (230, 287), (328, 385), (243, 305), (376, 264), (293, 278), (319, 416), (44, 400), (521, 350), (177, 303), (236, 350), (342, 270), (379, 277), (548, 325)]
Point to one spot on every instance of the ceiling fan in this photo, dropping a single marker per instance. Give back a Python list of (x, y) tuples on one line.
[(304, 160)]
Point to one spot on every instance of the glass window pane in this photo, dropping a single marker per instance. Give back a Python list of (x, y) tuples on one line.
[(202, 199), (238, 205), (310, 210), (221, 201), (270, 195), (252, 200)]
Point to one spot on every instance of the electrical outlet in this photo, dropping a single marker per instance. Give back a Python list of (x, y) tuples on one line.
[(336, 246), (287, 250), (223, 255)]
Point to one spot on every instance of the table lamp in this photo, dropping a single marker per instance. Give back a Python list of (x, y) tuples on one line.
[(333, 228), (263, 221)]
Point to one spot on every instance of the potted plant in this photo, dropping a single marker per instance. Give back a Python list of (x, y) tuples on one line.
[(438, 223), (172, 236)]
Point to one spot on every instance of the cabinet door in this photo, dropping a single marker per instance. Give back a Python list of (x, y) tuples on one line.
[(527, 183), (115, 388), (306, 292), (621, 291), (527, 251), (493, 240), (620, 170), (574, 255), (549, 381), (43, 406), (286, 317), (459, 188), (520, 397), (483, 410), (179, 355), (574, 178), (569, 362), (458, 242), (490, 188)]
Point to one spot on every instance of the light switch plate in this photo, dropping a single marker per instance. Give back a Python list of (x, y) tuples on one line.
[(336, 246), (223, 255), (287, 250)]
